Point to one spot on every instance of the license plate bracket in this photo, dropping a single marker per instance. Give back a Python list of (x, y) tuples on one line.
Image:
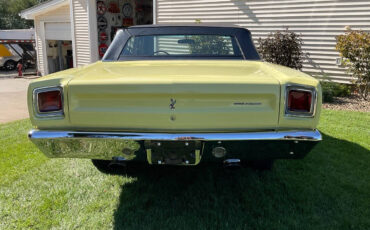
[(173, 152)]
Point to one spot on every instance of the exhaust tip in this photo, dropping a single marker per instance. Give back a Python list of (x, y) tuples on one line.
[(232, 163), (117, 162)]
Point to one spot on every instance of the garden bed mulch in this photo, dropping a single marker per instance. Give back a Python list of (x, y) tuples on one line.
[(352, 103)]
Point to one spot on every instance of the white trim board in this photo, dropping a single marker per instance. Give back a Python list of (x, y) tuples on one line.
[(93, 30), (71, 16), (42, 8)]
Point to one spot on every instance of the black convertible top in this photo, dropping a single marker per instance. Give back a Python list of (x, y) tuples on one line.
[(242, 35), (203, 25)]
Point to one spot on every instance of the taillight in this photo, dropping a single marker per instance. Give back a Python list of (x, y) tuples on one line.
[(299, 101), (50, 101)]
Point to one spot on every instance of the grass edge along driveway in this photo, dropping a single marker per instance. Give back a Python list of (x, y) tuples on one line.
[(329, 189)]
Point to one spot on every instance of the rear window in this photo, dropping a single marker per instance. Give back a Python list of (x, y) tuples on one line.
[(172, 46)]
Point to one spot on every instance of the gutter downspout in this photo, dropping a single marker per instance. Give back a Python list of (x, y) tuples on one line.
[(154, 12), (71, 12)]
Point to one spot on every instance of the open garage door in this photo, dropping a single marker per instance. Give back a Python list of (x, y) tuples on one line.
[(58, 31), (58, 46)]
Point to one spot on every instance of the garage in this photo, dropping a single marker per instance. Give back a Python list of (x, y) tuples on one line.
[(53, 35), (58, 46), (71, 33)]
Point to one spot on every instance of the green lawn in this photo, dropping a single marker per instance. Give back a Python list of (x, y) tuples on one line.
[(329, 189)]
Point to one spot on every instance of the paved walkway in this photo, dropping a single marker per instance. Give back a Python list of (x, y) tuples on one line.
[(13, 99)]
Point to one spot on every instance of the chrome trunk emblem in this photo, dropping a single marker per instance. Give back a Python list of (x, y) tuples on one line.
[(172, 104)]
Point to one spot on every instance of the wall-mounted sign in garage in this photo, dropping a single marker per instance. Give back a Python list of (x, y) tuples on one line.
[(127, 10), (103, 37), (113, 7), (102, 23), (102, 49), (101, 8), (113, 15)]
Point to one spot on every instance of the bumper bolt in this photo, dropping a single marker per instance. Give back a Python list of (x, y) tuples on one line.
[(159, 144), (186, 143), (291, 153)]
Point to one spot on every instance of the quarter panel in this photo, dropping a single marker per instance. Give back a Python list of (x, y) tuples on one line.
[(53, 80), (288, 76)]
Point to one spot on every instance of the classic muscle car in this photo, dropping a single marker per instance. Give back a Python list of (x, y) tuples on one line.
[(177, 95)]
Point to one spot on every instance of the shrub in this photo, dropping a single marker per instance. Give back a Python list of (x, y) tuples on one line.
[(354, 46), (327, 92), (333, 89), (283, 48)]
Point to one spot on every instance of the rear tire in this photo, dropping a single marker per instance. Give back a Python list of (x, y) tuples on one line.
[(10, 65)]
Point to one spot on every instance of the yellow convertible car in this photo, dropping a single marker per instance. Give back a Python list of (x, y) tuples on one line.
[(177, 95)]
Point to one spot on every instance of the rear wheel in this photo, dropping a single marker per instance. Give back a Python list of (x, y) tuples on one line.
[(10, 65)]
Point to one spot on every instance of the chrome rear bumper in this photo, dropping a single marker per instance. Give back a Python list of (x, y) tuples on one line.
[(108, 145), (278, 135)]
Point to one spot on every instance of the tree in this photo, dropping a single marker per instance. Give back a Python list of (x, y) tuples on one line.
[(354, 47), (9, 13)]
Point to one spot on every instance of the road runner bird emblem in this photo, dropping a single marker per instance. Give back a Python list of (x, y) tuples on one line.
[(172, 104)]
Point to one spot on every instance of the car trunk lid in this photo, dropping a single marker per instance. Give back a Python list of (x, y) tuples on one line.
[(174, 96)]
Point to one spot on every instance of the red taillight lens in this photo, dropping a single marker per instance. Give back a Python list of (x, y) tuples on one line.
[(299, 101), (50, 101)]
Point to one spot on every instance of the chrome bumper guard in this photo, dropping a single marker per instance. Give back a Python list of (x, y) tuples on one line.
[(108, 145)]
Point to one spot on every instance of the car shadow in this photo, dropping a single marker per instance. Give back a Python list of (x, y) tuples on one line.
[(295, 194)]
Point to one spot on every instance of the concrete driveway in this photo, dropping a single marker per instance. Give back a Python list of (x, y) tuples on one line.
[(14, 73), (13, 99)]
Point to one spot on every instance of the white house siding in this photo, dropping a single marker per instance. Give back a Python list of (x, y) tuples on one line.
[(84, 31), (60, 14), (39, 48), (79, 13), (169, 43), (318, 22)]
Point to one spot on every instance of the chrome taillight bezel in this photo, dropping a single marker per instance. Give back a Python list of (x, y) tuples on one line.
[(51, 114), (302, 88)]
